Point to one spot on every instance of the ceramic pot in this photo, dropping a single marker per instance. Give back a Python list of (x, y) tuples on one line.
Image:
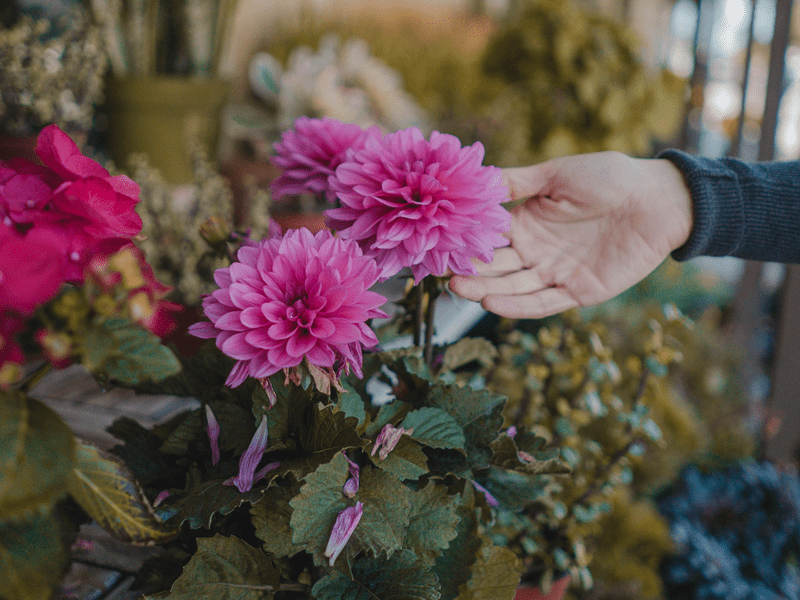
[(161, 116)]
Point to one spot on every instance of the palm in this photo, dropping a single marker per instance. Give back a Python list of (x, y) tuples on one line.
[(589, 233)]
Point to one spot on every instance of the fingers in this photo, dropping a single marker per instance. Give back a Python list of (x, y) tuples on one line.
[(525, 182), (536, 305)]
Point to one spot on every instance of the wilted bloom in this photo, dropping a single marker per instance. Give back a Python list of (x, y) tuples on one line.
[(310, 153), (427, 205), (295, 297), (213, 430), (251, 457), (490, 499), (351, 485), (343, 528), (387, 439), (162, 495)]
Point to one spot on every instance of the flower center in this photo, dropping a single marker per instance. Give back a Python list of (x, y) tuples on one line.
[(300, 313)]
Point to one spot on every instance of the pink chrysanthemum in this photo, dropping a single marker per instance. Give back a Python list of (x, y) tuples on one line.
[(310, 153), (293, 297), (428, 205)]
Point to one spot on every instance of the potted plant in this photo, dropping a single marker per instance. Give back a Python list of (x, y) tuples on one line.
[(164, 92)]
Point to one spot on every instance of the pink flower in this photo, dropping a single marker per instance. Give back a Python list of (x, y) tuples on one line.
[(31, 270), (311, 152), (428, 205), (289, 298), (250, 459), (343, 528), (213, 430)]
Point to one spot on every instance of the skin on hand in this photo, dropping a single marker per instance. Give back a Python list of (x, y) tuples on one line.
[(590, 227)]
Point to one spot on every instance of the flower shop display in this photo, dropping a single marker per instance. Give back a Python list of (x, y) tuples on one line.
[(574, 79), (51, 71), (736, 532)]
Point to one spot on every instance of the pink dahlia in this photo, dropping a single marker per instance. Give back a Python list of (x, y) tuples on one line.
[(428, 205), (293, 297), (310, 153)]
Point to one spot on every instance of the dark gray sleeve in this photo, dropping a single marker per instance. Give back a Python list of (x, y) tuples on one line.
[(748, 210)]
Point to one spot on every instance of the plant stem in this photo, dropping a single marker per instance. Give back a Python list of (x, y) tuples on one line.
[(432, 296), (418, 314), (35, 377)]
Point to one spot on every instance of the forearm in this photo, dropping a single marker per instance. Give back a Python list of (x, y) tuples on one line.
[(748, 210)]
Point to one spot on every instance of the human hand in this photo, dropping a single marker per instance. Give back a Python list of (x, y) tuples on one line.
[(592, 226)]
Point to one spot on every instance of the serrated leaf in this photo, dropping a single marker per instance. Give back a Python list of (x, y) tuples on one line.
[(391, 412), (137, 355), (37, 453), (32, 558), (190, 429), (402, 577), (291, 406), (467, 350), (351, 403), (387, 508), (271, 517), (479, 413), (495, 575), (198, 505), (226, 569), (107, 491), (432, 522), (452, 567), (406, 461), (434, 427), (506, 455), (315, 508)]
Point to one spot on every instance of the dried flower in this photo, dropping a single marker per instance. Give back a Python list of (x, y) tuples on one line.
[(213, 430), (387, 440), (343, 528), (351, 485), (310, 153), (289, 298), (428, 205), (250, 459)]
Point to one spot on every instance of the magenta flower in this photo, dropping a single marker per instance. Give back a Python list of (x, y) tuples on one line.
[(310, 153), (295, 297), (351, 485), (343, 528), (250, 459), (213, 430), (427, 205)]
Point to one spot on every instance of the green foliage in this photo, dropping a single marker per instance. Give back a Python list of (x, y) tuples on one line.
[(401, 577), (226, 569), (37, 453), (32, 558), (107, 491)]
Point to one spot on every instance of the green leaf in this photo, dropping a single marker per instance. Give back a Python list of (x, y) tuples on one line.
[(495, 575), (136, 356), (32, 558), (453, 566), (468, 350), (387, 509), (433, 521), (315, 508), (435, 428), (37, 453), (391, 412), (506, 455), (188, 431), (226, 569), (271, 518), (402, 577), (351, 403), (480, 415), (198, 505), (107, 491), (406, 462)]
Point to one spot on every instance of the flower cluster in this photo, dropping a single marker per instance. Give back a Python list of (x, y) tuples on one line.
[(67, 220), (293, 297), (409, 202)]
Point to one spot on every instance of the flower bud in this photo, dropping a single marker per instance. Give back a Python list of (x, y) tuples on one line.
[(215, 230)]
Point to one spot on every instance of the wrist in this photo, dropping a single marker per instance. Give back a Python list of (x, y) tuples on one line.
[(674, 201)]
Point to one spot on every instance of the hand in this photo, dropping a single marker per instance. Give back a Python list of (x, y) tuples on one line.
[(592, 226)]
